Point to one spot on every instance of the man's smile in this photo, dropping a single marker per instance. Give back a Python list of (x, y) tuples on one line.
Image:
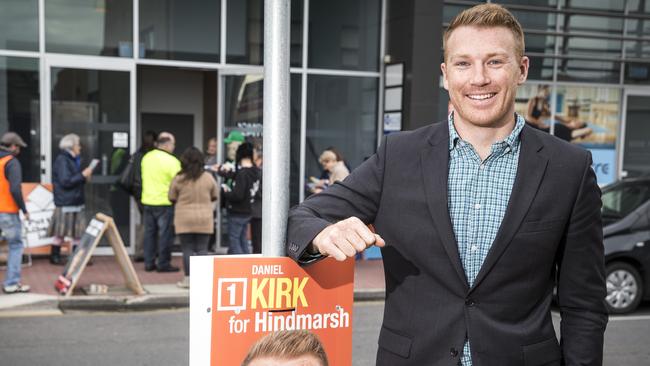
[(483, 96)]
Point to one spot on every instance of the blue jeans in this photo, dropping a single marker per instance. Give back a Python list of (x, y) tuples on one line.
[(237, 243), (12, 231), (158, 235)]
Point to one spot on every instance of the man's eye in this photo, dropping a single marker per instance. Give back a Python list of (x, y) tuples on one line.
[(462, 63), (495, 62)]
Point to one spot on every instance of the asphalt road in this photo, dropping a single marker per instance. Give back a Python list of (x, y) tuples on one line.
[(161, 338)]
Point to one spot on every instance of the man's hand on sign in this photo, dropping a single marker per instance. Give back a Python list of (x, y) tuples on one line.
[(345, 239)]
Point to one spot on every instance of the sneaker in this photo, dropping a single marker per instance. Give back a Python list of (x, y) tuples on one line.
[(15, 289), (185, 283)]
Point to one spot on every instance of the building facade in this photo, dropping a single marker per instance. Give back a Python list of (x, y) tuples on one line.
[(109, 70)]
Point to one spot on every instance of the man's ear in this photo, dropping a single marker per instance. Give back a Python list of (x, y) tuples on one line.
[(443, 68), (524, 64)]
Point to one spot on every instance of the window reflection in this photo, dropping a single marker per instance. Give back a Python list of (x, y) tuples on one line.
[(19, 25), (95, 105), (243, 112), (344, 34), (589, 70), (245, 32), (181, 29), (19, 110), (341, 112), (89, 27)]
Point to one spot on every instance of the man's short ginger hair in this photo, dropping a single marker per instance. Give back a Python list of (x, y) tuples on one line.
[(287, 344), (487, 16)]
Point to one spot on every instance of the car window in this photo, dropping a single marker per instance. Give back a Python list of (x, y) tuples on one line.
[(620, 201)]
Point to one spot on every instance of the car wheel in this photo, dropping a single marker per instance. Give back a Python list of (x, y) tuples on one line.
[(624, 288)]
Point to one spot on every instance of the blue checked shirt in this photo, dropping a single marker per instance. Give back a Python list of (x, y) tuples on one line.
[(478, 197)]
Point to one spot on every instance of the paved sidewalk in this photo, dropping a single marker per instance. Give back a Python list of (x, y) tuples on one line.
[(161, 288)]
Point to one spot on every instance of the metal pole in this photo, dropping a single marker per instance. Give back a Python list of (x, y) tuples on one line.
[(277, 127)]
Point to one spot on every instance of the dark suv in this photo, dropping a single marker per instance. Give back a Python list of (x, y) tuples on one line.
[(626, 228)]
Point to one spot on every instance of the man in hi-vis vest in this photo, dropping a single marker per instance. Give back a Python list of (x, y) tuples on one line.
[(11, 200)]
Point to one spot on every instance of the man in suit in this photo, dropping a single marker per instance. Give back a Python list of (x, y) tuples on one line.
[(478, 218)]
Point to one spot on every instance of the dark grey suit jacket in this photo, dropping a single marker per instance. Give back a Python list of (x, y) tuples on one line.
[(551, 230)]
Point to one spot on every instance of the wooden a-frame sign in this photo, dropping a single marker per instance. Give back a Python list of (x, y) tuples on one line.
[(100, 225)]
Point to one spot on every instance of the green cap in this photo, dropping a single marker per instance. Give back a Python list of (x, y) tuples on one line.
[(234, 136)]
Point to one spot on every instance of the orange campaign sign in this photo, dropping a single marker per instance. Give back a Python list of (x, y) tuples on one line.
[(237, 300)]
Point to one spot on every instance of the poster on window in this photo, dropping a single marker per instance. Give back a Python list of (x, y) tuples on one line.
[(587, 116), (241, 305)]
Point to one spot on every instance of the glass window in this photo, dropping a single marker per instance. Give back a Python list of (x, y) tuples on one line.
[(615, 5), (99, 28), (589, 71), (539, 43), (20, 110), (245, 34), (586, 23), (296, 32), (639, 6), (186, 30), (95, 105), (594, 109), (637, 73), (636, 49), (344, 34), (577, 46), (19, 25), (636, 154), (342, 113), (621, 200), (243, 112), (540, 3), (541, 68), (537, 20)]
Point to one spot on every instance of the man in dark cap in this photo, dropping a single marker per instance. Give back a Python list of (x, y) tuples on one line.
[(11, 201)]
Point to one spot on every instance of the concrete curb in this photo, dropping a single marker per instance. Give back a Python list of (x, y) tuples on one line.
[(123, 303), (133, 303)]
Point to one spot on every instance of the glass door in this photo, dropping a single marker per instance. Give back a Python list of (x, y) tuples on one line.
[(636, 140), (94, 99), (241, 95)]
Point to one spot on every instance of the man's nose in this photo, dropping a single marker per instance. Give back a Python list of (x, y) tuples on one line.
[(480, 75)]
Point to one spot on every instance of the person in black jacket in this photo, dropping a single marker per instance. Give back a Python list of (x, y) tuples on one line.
[(135, 189), (239, 198), (68, 179)]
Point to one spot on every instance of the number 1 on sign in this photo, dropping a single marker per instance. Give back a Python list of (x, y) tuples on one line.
[(231, 294), (231, 290)]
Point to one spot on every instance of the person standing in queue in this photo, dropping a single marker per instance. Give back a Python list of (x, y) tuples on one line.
[(11, 202), (239, 199), (158, 167), (68, 179), (477, 217), (193, 192)]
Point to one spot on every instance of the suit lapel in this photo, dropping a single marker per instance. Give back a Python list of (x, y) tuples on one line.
[(434, 162), (530, 171)]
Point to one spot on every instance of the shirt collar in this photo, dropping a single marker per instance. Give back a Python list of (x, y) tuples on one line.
[(512, 140)]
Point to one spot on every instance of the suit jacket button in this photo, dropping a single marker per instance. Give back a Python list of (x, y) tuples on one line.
[(469, 302), (453, 352)]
